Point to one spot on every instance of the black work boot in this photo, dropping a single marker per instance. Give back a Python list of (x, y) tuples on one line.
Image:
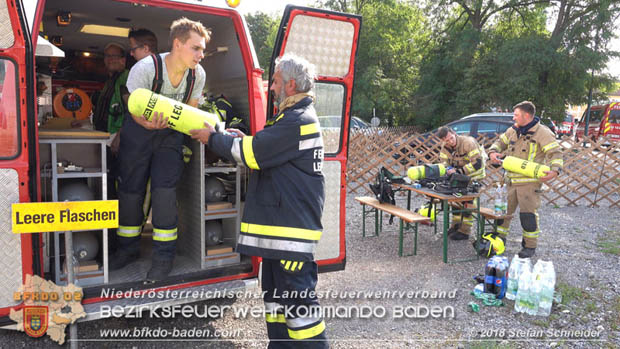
[(121, 258), (160, 268), (527, 252), (459, 236), (453, 229)]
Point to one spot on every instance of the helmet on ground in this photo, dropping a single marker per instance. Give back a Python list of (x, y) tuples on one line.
[(427, 211), (489, 245)]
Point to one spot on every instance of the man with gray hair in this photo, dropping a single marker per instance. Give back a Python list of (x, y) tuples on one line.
[(284, 203)]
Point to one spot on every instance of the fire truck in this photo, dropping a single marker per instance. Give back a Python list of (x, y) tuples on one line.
[(51, 63)]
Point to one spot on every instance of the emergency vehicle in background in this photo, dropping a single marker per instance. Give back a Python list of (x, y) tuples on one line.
[(604, 122), (81, 29), (566, 127)]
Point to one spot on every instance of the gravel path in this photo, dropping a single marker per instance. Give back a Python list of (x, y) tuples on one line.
[(583, 243)]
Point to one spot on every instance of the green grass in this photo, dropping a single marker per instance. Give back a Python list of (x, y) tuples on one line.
[(610, 245), (570, 293), (489, 345), (542, 323), (590, 307)]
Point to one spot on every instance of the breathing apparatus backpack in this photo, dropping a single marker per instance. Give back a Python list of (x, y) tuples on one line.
[(382, 187)]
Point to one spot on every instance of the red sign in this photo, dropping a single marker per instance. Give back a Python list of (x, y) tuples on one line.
[(35, 320)]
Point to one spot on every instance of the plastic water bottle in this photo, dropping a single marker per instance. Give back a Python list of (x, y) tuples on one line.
[(535, 288), (512, 285), (545, 298), (523, 299), (497, 200), (504, 199)]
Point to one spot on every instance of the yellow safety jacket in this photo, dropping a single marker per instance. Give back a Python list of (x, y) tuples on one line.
[(538, 144), (468, 157)]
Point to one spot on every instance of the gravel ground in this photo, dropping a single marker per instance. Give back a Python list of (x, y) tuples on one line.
[(583, 243)]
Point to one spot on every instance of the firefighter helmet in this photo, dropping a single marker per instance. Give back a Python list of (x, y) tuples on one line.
[(427, 211), (489, 245)]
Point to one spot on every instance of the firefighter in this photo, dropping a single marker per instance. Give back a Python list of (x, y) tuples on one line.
[(464, 155), (149, 148), (142, 43), (284, 203), (529, 140)]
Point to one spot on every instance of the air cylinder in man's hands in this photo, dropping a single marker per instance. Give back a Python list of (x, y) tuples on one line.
[(527, 168), (181, 117)]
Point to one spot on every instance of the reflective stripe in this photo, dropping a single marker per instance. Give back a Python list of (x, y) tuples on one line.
[(301, 265), (443, 155), (550, 146), (128, 232), (235, 151), (287, 265), (311, 143), (164, 234), (504, 138), (280, 245), (273, 121), (473, 152), (469, 168), (532, 154), (278, 318), (607, 128), (502, 231), (478, 174), (294, 266), (531, 234), (309, 129), (248, 152), (302, 321), (285, 232), (523, 180), (307, 333), (559, 162)]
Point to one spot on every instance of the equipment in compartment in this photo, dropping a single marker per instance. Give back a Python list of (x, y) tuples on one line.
[(214, 189), (75, 191), (213, 232), (72, 103), (85, 245)]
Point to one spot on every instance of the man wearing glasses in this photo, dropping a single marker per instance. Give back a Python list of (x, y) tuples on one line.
[(142, 43), (109, 110)]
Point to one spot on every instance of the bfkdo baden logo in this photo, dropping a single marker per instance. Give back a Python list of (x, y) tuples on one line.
[(35, 320)]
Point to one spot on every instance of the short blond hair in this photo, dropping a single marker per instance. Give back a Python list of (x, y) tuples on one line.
[(181, 28)]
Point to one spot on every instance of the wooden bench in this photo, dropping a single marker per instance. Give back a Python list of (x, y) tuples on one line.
[(403, 214)]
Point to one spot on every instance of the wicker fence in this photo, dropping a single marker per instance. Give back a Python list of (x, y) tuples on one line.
[(591, 175)]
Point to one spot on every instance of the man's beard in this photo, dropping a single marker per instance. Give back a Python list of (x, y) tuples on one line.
[(281, 96)]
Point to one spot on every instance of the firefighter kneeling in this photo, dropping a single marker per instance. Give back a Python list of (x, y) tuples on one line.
[(531, 141)]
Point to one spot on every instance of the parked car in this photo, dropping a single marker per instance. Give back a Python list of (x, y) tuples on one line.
[(335, 122), (488, 125)]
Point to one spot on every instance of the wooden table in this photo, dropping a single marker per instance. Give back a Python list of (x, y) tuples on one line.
[(446, 200)]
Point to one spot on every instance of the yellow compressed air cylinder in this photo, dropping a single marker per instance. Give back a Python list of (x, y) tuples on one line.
[(181, 117), (419, 172), (527, 168)]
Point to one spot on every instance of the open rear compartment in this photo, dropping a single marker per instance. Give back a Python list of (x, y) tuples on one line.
[(211, 191)]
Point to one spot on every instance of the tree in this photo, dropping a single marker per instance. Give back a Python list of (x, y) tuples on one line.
[(497, 53), (263, 29)]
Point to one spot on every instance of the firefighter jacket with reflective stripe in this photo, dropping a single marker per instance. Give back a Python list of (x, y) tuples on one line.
[(536, 145), (286, 190), (467, 157)]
